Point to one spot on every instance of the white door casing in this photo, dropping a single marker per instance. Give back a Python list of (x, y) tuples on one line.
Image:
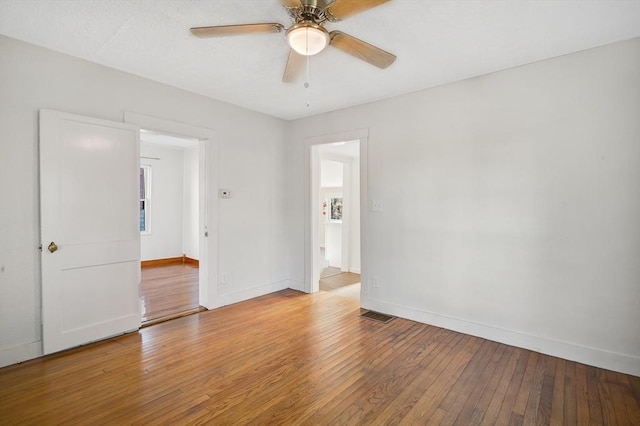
[(90, 209), (208, 157), (312, 216)]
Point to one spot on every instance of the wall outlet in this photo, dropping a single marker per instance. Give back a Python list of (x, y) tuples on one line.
[(377, 205), (375, 282), (224, 279)]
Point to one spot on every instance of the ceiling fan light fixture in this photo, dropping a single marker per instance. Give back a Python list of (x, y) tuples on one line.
[(308, 38)]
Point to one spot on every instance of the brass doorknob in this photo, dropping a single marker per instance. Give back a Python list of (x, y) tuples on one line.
[(52, 247)]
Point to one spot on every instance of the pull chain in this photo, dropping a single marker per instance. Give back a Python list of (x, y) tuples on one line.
[(306, 84)]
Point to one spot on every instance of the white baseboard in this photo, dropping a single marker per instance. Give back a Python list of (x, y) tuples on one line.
[(586, 355), (295, 285), (570, 351), (250, 293), (20, 353)]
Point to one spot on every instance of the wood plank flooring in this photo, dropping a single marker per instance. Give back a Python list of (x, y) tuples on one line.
[(297, 359), (168, 290), (337, 280), (345, 284)]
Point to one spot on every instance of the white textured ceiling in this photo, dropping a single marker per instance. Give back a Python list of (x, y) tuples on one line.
[(436, 42)]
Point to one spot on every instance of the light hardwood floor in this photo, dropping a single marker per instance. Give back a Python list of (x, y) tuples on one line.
[(340, 283), (293, 358), (331, 280), (169, 290)]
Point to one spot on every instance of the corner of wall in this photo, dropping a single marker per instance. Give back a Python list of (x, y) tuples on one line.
[(295, 285), (21, 353), (250, 293)]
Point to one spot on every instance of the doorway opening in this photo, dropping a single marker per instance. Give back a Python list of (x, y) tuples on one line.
[(337, 214), (170, 199)]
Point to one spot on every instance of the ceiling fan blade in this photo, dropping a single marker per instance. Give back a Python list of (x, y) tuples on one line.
[(294, 67), (291, 4), (341, 9), (362, 50), (229, 30)]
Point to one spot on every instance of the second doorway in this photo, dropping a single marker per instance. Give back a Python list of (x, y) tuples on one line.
[(169, 225)]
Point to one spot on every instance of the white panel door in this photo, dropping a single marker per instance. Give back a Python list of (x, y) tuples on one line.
[(89, 170)]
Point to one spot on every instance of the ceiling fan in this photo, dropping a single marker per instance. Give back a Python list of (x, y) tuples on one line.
[(307, 36)]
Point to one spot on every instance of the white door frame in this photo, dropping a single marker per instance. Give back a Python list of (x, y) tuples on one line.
[(312, 208), (208, 158)]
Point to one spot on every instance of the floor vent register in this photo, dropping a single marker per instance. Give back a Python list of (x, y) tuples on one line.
[(377, 316)]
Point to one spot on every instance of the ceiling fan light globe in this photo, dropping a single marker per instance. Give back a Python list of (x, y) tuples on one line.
[(308, 39)]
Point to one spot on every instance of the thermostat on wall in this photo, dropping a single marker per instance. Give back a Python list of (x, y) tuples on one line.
[(225, 193)]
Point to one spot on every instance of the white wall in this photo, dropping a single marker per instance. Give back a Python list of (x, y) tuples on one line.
[(166, 204), (325, 194), (251, 150), (333, 244), (330, 174), (354, 218), (330, 233), (330, 183), (511, 204), (191, 204)]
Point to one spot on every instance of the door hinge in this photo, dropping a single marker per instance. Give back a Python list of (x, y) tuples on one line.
[(40, 247)]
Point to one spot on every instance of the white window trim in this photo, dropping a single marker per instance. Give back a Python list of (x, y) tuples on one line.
[(147, 200)]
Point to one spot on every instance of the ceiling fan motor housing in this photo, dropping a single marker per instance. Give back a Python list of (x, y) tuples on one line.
[(309, 10)]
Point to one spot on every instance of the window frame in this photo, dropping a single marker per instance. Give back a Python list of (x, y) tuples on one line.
[(147, 178)]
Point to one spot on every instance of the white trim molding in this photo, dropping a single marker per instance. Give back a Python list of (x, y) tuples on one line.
[(20, 353), (311, 176), (250, 293), (569, 351), (209, 212)]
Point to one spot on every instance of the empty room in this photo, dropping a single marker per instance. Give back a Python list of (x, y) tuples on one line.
[(484, 213)]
